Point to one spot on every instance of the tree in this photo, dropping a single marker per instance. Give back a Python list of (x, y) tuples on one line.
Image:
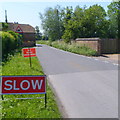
[(94, 22), (83, 22), (79, 15), (69, 25), (38, 34), (113, 14), (52, 23)]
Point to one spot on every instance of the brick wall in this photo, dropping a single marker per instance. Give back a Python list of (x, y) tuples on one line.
[(102, 46), (93, 43)]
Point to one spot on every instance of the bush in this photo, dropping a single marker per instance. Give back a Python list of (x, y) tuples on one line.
[(4, 26), (46, 42), (74, 48), (17, 36), (14, 34), (9, 43)]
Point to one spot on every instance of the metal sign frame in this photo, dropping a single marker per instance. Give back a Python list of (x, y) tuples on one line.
[(45, 93)]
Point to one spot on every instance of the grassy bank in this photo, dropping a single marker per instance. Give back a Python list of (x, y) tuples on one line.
[(31, 108), (74, 48)]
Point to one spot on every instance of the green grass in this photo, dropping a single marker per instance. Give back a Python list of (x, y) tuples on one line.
[(74, 47), (32, 108)]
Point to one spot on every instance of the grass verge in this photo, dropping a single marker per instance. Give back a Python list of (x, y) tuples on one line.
[(74, 48), (30, 108)]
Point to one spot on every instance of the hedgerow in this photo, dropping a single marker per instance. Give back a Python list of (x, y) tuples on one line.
[(9, 42)]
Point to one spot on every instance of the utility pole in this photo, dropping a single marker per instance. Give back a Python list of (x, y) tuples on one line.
[(6, 16)]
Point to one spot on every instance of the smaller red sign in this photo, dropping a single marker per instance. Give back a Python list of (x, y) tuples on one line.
[(23, 84), (29, 52)]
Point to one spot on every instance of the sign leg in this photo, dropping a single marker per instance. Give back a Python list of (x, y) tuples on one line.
[(30, 58), (45, 100), (30, 62), (2, 97)]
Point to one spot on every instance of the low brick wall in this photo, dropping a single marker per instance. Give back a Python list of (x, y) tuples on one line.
[(93, 43), (102, 46)]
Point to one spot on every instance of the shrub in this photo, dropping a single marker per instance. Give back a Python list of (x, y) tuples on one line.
[(18, 38), (83, 50), (4, 26), (73, 47), (14, 34), (9, 43)]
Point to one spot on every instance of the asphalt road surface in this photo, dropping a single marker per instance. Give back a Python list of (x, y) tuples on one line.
[(86, 87)]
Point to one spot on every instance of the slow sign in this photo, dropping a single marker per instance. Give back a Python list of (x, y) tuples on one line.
[(23, 85), (29, 52)]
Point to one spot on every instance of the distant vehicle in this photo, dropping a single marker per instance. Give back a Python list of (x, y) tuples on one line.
[(38, 45)]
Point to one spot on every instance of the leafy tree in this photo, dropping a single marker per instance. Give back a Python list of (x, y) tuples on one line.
[(69, 24), (79, 15), (94, 22), (52, 23), (38, 34), (113, 14), (83, 22)]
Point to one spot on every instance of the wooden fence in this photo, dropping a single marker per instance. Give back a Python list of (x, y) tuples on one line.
[(109, 46)]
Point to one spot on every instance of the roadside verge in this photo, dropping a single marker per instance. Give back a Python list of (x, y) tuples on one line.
[(34, 108)]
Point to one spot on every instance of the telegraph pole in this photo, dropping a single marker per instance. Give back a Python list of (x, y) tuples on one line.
[(6, 16)]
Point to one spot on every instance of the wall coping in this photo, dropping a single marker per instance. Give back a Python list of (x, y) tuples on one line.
[(87, 39)]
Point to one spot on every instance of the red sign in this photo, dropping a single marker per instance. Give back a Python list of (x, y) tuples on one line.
[(29, 52), (19, 30), (23, 84)]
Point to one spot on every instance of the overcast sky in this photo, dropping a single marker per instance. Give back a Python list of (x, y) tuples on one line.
[(27, 11)]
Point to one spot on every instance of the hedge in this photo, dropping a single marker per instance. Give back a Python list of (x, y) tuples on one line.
[(9, 42)]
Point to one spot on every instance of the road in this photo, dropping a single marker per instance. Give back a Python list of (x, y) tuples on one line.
[(85, 87)]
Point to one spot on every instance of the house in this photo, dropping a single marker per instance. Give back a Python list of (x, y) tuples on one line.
[(27, 32)]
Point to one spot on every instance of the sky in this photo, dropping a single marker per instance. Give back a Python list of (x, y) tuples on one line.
[(27, 11)]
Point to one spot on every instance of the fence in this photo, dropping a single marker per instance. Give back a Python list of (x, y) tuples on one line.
[(109, 46)]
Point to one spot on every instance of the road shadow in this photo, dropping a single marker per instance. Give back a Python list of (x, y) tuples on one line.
[(104, 56)]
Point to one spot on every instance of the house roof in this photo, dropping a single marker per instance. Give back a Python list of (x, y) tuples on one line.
[(25, 28)]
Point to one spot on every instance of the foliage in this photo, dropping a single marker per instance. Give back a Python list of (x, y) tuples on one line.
[(17, 37), (14, 34), (68, 24), (46, 42), (95, 22), (114, 18), (73, 47), (44, 37), (4, 26), (31, 108), (52, 23), (38, 34), (9, 43)]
